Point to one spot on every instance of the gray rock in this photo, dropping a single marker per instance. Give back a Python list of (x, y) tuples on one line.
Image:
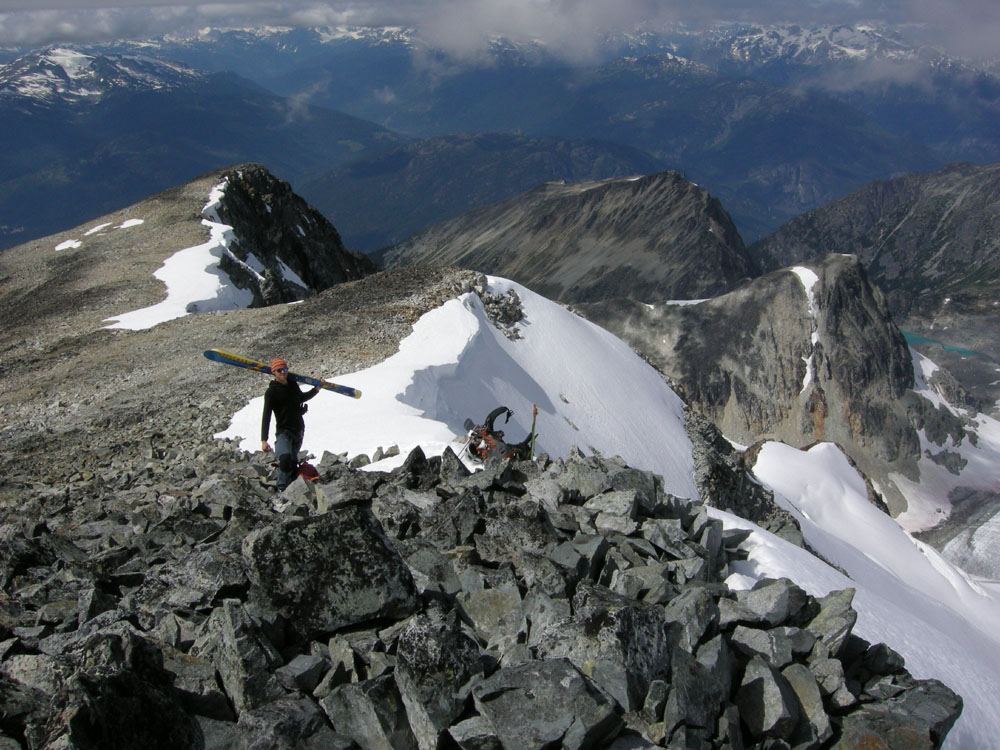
[(197, 683), (371, 713), (328, 571), (774, 602), (431, 569), (768, 706), (475, 734), (541, 611), (437, 666), (696, 612), (302, 673), (242, 655), (543, 702), (695, 696), (40, 672), (770, 645), (656, 700), (121, 697), (497, 614), (835, 620), (815, 724), (621, 644), (287, 724), (923, 715)]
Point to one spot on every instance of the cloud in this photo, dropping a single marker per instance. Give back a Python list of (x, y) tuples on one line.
[(463, 28)]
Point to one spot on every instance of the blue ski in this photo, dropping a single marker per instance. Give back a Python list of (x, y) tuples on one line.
[(217, 355)]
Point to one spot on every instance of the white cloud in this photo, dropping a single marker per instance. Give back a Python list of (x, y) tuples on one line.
[(572, 28)]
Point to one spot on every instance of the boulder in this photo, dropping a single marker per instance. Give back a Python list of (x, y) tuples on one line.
[(437, 666), (621, 644), (834, 622), (540, 703), (288, 724), (774, 602), (243, 656), (325, 572), (768, 706), (371, 713)]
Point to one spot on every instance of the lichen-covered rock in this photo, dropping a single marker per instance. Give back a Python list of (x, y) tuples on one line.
[(437, 667), (243, 655), (619, 643), (534, 705), (371, 713), (919, 718), (328, 571)]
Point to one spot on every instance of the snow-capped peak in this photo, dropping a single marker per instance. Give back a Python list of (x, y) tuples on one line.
[(66, 74)]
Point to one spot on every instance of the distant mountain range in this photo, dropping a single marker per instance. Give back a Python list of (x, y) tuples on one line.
[(773, 120), (383, 199), (95, 133)]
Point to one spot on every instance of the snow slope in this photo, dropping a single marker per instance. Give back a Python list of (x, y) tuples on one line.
[(908, 595), (194, 281), (592, 391)]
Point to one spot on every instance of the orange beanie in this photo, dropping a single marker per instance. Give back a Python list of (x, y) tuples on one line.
[(278, 363)]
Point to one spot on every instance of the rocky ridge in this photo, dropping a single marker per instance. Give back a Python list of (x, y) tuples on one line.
[(653, 237), (163, 598)]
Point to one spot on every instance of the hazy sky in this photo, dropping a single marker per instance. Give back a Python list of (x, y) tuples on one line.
[(968, 27)]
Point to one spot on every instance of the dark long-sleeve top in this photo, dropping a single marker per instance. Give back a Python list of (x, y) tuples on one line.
[(286, 403)]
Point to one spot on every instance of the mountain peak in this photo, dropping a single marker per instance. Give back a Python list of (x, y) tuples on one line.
[(68, 75), (651, 237)]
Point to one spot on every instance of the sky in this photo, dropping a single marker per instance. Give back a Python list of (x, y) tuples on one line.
[(570, 27)]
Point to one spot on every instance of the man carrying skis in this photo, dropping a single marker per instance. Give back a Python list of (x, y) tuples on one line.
[(286, 401)]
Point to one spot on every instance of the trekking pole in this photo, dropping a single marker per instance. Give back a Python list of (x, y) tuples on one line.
[(534, 416)]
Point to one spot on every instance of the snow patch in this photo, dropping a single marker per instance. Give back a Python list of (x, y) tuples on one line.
[(97, 229), (194, 281), (130, 223), (68, 245), (809, 280)]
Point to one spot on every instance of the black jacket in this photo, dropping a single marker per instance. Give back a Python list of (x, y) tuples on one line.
[(287, 403)]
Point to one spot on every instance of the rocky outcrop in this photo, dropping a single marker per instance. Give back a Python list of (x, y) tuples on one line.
[(648, 238), (930, 242), (797, 357), (294, 250), (530, 604)]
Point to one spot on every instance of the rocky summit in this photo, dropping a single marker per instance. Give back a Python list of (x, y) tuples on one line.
[(569, 603), (156, 591), (650, 238)]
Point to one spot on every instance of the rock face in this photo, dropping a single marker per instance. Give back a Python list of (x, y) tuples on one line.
[(772, 360), (923, 238), (280, 231), (530, 605), (649, 238), (930, 242)]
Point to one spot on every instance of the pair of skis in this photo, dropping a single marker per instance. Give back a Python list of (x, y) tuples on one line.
[(226, 358)]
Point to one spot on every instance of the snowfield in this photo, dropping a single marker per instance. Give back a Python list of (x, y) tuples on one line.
[(194, 281), (592, 391)]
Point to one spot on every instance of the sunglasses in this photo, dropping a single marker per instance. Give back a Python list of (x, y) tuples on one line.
[(282, 369)]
